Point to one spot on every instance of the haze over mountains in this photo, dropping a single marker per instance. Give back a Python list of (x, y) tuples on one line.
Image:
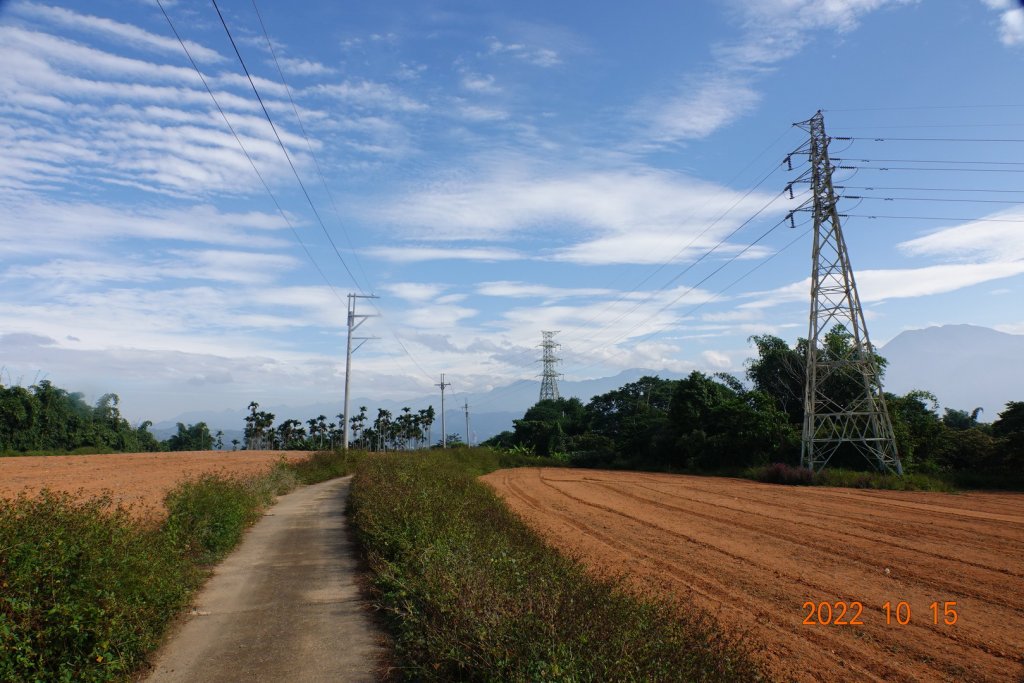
[(965, 366)]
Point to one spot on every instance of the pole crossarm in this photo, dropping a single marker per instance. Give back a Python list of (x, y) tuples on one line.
[(843, 399)]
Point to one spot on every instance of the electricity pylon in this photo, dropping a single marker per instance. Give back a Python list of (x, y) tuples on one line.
[(354, 321), (859, 418), (549, 375)]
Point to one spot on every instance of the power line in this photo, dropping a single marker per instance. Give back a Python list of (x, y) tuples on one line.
[(933, 168), (927, 161), (309, 146), (927, 108), (939, 218), (252, 163), (925, 189), (889, 139), (933, 199), (323, 181), (283, 148)]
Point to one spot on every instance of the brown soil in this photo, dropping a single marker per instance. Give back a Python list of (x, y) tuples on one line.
[(753, 553), (139, 480)]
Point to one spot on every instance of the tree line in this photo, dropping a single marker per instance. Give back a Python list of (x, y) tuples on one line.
[(717, 423), (45, 418), (407, 430)]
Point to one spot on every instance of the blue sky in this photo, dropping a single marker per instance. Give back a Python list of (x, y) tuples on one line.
[(490, 170)]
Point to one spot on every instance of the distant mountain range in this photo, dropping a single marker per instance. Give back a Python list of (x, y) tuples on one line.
[(965, 366)]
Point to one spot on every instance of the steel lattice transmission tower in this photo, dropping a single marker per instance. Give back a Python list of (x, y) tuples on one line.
[(549, 375), (833, 417)]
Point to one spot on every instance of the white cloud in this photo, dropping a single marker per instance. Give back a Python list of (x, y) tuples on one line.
[(994, 241), (538, 56), (511, 289), (371, 95), (772, 31), (415, 292), (1011, 20), (303, 67), (475, 112), (702, 108), (899, 283), (80, 228), (1011, 29), (631, 216), (411, 254), (717, 359), (123, 33), (481, 83)]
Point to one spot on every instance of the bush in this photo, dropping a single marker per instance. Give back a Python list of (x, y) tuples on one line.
[(86, 590), (207, 515), (324, 465), (471, 593), (781, 473)]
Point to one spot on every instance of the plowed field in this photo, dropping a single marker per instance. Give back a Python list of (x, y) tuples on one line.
[(136, 479), (753, 554)]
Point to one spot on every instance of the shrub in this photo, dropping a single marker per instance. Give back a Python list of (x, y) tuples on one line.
[(781, 473), (86, 590), (207, 515)]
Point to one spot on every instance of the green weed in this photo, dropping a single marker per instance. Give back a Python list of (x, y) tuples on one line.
[(86, 591), (473, 594), (778, 473)]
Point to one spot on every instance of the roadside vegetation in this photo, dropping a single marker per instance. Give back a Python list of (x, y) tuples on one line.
[(471, 593), (87, 590), (717, 424)]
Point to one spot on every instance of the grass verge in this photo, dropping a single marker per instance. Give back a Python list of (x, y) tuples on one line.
[(86, 590), (472, 594)]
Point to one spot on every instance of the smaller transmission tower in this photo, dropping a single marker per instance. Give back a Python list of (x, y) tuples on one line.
[(549, 375), (843, 399)]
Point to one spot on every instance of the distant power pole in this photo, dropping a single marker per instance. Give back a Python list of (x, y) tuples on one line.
[(354, 321), (829, 420), (444, 435), (467, 424), (549, 375)]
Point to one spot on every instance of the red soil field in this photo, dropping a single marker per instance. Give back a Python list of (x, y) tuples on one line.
[(753, 554), (139, 480)]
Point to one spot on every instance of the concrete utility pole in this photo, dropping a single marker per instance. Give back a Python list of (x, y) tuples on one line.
[(354, 321), (467, 424), (444, 434), (830, 420)]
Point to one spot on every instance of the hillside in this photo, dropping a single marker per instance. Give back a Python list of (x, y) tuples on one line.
[(965, 366)]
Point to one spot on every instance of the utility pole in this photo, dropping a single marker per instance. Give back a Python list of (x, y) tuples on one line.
[(831, 420), (467, 424), (354, 321), (444, 434), (549, 375)]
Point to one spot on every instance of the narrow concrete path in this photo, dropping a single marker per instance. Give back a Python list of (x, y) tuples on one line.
[(283, 607)]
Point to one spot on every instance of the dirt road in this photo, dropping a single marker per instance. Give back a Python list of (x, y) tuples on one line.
[(136, 479), (284, 606), (753, 554)]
